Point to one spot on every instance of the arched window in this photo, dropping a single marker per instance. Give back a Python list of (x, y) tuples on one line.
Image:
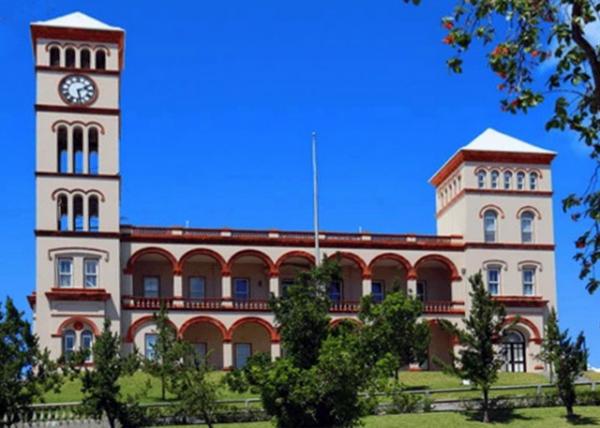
[(527, 227), (490, 225), (533, 181), (494, 182), (70, 58), (100, 60), (93, 150), (62, 216), (520, 180), (481, 179), (513, 345), (93, 222), (507, 180), (62, 160), (87, 340), (78, 213), (85, 58), (69, 339), (54, 57), (78, 150), (528, 281)]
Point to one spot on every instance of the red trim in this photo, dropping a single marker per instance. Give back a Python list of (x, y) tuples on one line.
[(522, 301), (79, 34), (78, 294), (266, 325), (358, 261), (529, 208), (512, 192), (31, 299), (253, 253), (204, 252), (208, 320), (538, 367), (334, 323), (78, 176), (454, 275), (489, 156), (299, 254), (389, 256), (80, 110), (73, 320), (129, 268), (514, 246), (535, 336), (133, 328), (79, 70), (492, 207)]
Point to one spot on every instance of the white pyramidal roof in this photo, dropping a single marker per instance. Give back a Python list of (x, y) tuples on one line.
[(77, 20), (493, 141)]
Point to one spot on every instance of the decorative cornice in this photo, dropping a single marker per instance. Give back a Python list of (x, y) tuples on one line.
[(78, 110), (78, 176), (73, 234), (522, 301), (78, 294), (509, 246), (77, 70)]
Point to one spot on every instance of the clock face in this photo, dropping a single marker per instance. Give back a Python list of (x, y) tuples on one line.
[(78, 90)]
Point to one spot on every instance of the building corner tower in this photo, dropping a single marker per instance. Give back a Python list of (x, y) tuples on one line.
[(78, 64)]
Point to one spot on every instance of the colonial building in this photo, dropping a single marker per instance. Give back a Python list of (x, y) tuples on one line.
[(493, 210)]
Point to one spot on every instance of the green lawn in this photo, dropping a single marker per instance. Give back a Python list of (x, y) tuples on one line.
[(522, 418), (593, 376), (136, 384)]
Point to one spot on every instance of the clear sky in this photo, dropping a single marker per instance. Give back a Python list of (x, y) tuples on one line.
[(219, 100)]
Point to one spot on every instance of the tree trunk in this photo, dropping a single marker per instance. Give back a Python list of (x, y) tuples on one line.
[(207, 420), (570, 412), (162, 387), (485, 405)]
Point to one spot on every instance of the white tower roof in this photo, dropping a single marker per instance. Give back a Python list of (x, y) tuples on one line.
[(491, 140), (77, 20)]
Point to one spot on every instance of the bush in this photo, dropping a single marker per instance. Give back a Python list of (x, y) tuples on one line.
[(403, 402)]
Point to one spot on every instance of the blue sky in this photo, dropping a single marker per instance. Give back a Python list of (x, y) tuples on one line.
[(219, 99)]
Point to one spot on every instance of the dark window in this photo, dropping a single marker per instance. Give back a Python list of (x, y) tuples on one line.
[(78, 150), (100, 60), (62, 213), (243, 351), (70, 58), (93, 151), (335, 292), (62, 150), (78, 213), (196, 287), (377, 291), (241, 289), (514, 352), (152, 286), (94, 215), (85, 58), (54, 57)]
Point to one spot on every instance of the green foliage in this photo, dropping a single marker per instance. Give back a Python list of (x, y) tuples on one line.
[(392, 330), (166, 350), (100, 387), (529, 39), (568, 359), (196, 393), (479, 358), (26, 371)]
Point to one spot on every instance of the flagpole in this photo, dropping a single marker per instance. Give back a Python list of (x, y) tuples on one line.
[(315, 199)]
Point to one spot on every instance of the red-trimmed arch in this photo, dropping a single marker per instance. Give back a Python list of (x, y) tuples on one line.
[(151, 250), (389, 256), (204, 252), (334, 323), (534, 210), (298, 254), (358, 261), (272, 331), (492, 207), (454, 275), (206, 320), (133, 328), (253, 253), (71, 320), (535, 336)]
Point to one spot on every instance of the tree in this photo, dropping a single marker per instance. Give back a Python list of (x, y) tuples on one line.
[(533, 39), (392, 328), (164, 352), (27, 372), (319, 380), (100, 387), (196, 394), (567, 358), (479, 358)]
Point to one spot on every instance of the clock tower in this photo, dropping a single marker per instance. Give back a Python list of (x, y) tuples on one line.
[(78, 65)]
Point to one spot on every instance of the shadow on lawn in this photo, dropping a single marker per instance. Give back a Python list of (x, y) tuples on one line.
[(500, 416), (582, 420)]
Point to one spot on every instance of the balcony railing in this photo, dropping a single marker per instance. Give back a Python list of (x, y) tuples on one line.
[(218, 303)]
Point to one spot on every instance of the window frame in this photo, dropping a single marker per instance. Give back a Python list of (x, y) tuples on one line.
[(508, 179), (340, 292), (84, 335), (523, 217), (481, 178), (87, 274), (149, 352), (235, 291), (60, 274), (498, 280), (422, 295), (490, 213), (189, 290), (520, 180), (379, 296), (494, 176), (235, 353), (65, 349), (531, 283), (534, 178), (157, 278)]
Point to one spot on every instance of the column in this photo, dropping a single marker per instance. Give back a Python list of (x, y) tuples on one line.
[(411, 287), (127, 289), (226, 290), (70, 208), (178, 289), (227, 355), (366, 286), (86, 211), (86, 151), (274, 286), (275, 350)]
